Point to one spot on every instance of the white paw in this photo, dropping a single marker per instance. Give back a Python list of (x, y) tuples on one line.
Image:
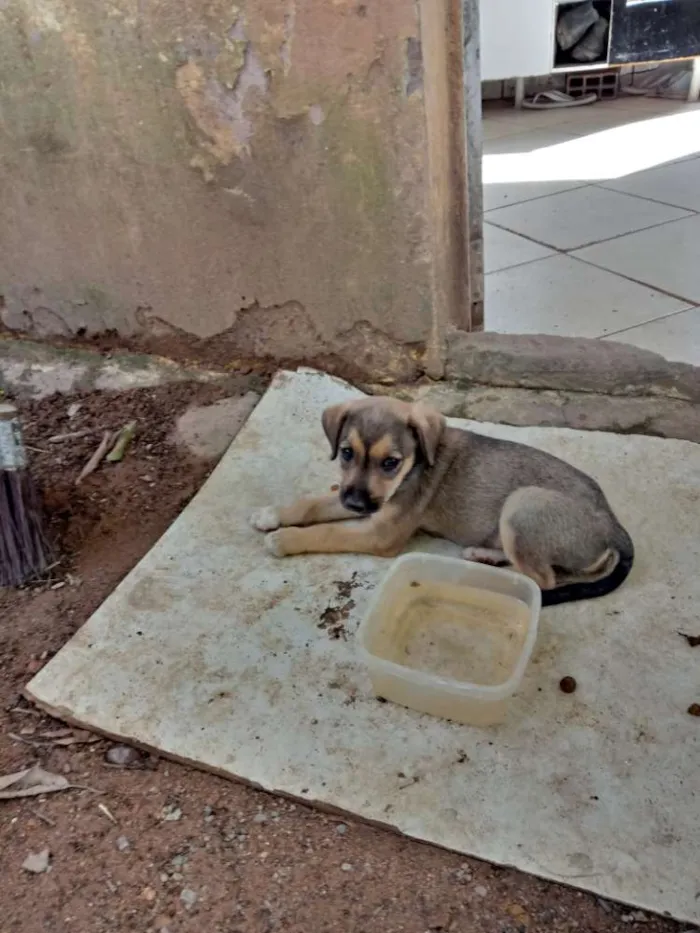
[(273, 543), (484, 555), (266, 519)]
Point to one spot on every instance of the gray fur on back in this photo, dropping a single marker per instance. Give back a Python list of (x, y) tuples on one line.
[(478, 473)]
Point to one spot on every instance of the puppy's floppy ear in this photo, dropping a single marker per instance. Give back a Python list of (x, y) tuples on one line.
[(332, 420), (428, 424)]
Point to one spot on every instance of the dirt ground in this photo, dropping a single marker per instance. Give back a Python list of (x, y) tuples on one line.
[(155, 846)]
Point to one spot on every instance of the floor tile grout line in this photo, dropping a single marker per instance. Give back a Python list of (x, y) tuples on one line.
[(619, 236), (519, 265), (654, 320), (594, 184), (689, 303), (538, 197), (656, 288), (530, 239), (643, 197), (604, 185), (491, 217), (566, 251), (687, 158)]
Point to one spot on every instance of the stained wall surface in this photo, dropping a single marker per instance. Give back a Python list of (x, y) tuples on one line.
[(267, 174)]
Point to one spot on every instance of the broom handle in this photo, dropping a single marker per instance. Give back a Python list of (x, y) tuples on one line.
[(12, 453)]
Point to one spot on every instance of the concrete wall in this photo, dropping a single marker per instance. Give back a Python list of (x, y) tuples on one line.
[(263, 175)]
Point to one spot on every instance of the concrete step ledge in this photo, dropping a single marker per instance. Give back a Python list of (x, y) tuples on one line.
[(519, 380), (569, 364), (586, 411)]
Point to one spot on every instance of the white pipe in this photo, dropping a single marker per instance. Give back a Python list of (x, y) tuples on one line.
[(694, 89), (520, 92)]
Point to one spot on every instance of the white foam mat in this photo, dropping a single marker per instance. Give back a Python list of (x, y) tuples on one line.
[(214, 652)]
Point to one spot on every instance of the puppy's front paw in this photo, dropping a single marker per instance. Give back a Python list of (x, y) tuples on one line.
[(274, 543), (266, 519)]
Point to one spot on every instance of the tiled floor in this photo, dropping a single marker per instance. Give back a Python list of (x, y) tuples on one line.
[(592, 223)]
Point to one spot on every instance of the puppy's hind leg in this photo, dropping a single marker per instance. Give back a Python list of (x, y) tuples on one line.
[(523, 532), (573, 548), (528, 561)]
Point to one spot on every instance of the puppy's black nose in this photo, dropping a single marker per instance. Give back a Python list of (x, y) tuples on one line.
[(358, 500)]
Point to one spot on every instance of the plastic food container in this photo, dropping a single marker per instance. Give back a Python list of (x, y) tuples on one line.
[(450, 637)]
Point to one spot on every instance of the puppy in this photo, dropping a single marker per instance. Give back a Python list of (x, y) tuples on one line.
[(403, 470)]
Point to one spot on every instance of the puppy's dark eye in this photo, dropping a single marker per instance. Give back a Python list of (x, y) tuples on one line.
[(389, 464), (346, 454)]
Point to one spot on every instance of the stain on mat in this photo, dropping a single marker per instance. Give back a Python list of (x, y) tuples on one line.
[(345, 587), (333, 619), (337, 612)]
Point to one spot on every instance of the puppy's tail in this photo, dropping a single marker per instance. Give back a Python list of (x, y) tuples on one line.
[(570, 592)]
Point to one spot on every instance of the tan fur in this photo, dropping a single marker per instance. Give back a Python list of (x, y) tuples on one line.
[(391, 488), (376, 535), (382, 448), (313, 511), (356, 442), (379, 486), (503, 502)]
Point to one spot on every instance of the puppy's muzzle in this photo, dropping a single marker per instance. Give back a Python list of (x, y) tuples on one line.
[(357, 499)]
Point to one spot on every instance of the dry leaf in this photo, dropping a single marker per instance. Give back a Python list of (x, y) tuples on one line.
[(110, 816), (124, 438), (171, 813), (519, 914), (79, 737), (59, 737), (31, 783), (97, 457), (56, 734)]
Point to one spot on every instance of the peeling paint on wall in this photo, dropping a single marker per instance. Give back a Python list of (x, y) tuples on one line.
[(45, 15), (287, 331), (316, 114), (286, 47), (216, 94)]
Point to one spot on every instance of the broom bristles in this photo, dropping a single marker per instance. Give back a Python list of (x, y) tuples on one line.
[(24, 550)]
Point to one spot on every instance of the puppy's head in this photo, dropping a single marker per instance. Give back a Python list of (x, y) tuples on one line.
[(378, 441)]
